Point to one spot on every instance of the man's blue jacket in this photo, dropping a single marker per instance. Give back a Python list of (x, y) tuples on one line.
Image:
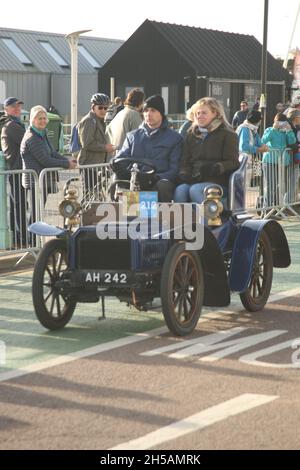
[(162, 146)]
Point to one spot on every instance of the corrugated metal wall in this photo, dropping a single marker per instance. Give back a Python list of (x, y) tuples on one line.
[(61, 93), (46, 89), (32, 88)]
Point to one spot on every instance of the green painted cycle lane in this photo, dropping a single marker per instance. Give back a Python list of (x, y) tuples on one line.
[(27, 342)]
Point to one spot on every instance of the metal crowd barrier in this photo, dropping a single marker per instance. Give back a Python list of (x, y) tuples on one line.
[(91, 183), (18, 209), (272, 184), (272, 189)]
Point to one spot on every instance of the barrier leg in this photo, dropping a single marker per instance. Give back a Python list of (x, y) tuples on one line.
[(5, 236)]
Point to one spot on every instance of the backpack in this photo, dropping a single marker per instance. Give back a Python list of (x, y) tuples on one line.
[(75, 145), (111, 113)]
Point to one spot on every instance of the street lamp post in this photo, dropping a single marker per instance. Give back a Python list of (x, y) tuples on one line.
[(263, 102), (72, 39)]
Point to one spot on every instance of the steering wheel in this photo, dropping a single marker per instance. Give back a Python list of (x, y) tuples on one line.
[(125, 164), (122, 169)]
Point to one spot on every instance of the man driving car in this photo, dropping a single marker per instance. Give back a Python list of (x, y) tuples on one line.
[(155, 142)]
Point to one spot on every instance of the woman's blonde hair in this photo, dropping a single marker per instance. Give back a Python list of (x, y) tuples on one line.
[(189, 114), (35, 111), (214, 105)]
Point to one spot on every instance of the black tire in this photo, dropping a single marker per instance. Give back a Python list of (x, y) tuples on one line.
[(182, 290), (258, 291), (52, 307)]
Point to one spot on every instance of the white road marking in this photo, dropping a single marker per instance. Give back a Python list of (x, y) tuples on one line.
[(125, 341), (284, 294), (198, 421), (118, 343), (198, 342)]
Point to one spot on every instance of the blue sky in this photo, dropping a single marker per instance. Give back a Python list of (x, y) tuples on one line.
[(120, 18)]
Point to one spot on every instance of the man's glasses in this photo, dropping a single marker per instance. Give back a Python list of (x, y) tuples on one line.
[(102, 107)]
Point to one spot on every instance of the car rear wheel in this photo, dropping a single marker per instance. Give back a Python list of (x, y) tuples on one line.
[(53, 307), (258, 291), (182, 289)]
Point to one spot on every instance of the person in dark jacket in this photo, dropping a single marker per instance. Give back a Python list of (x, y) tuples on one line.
[(37, 153), (154, 141), (240, 116), (210, 152), (12, 132)]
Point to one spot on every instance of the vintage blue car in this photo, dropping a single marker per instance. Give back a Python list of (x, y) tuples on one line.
[(237, 255)]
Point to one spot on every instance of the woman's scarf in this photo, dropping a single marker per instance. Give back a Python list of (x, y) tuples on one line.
[(282, 126), (41, 132), (202, 132), (253, 128)]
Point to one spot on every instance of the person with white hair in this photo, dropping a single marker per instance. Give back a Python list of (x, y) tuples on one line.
[(37, 153)]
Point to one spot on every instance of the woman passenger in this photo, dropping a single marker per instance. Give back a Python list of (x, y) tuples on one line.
[(210, 152)]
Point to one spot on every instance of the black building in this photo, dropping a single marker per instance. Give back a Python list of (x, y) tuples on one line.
[(186, 63)]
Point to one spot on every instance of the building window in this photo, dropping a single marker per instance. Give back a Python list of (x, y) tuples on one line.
[(55, 55), (16, 51), (88, 57)]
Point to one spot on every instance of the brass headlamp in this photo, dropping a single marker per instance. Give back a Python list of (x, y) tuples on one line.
[(213, 206), (69, 208)]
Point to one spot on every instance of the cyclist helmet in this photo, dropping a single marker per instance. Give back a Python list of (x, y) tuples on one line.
[(100, 98)]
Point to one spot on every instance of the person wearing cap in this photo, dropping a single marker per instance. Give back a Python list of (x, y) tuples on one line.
[(12, 132), (37, 153), (154, 141), (210, 152), (95, 145), (249, 139)]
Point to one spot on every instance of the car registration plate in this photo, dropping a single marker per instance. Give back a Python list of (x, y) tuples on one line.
[(102, 277)]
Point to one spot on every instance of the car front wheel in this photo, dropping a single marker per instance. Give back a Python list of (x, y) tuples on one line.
[(53, 307), (182, 289)]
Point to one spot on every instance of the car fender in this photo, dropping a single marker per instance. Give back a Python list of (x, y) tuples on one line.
[(216, 288), (46, 230), (244, 249)]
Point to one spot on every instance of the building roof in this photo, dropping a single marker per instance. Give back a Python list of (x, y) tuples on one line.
[(30, 43), (218, 53)]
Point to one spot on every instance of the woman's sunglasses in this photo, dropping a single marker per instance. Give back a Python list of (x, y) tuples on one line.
[(102, 107)]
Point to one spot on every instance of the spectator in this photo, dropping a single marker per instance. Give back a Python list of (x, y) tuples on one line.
[(187, 123), (210, 152), (240, 115), (113, 110), (153, 140), (12, 134), (256, 105), (280, 107), (295, 104), (249, 140), (94, 143), (294, 119), (37, 153), (128, 119), (278, 137)]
